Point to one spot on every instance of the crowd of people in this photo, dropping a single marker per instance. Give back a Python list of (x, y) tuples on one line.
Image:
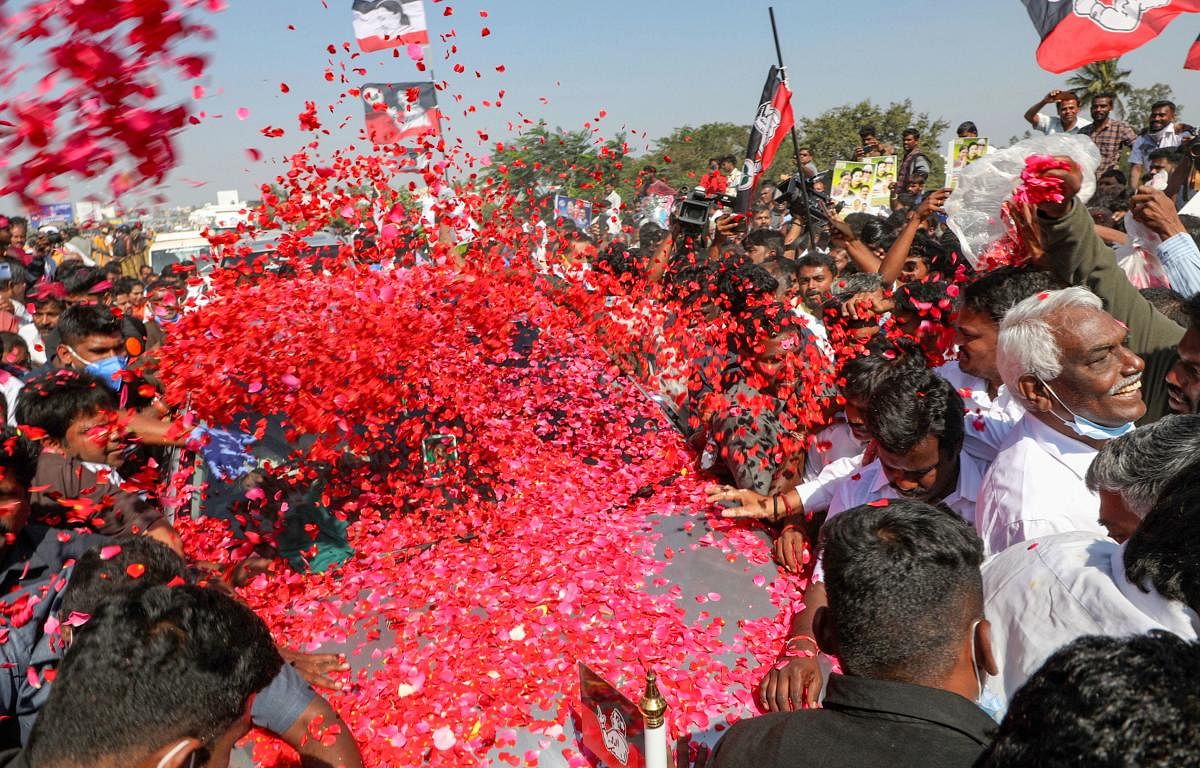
[(104, 622), (984, 476), (980, 476)]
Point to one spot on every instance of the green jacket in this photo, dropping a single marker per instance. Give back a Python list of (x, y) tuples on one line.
[(1077, 255)]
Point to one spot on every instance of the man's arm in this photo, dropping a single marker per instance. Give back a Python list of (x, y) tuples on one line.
[(1078, 256), (322, 738), (1031, 115), (794, 681), (1137, 162), (893, 260), (1177, 251)]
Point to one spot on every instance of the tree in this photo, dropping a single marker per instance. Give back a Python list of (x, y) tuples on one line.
[(1099, 77), (682, 155), (833, 134), (541, 162), (1139, 101)]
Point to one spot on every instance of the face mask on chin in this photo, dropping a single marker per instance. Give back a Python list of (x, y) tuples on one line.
[(1085, 427)]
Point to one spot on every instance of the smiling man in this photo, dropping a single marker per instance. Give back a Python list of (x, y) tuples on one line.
[(1183, 380), (1067, 361)]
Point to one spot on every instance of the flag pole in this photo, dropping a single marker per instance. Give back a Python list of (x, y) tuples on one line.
[(808, 226)]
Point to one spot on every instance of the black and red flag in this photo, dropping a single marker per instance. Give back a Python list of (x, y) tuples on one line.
[(398, 112), (771, 122), (1079, 32), (1193, 56)]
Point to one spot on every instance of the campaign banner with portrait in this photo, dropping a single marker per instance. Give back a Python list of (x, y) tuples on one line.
[(396, 112), (578, 211), (383, 24), (614, 729), (883, 176), (853, 185), (963, 152)]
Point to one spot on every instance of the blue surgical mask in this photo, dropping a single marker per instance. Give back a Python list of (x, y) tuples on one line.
[(105, 369), (1086, 427)]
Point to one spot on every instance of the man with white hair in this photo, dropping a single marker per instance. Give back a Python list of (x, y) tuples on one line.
[(1130, 472), (1066, 359)]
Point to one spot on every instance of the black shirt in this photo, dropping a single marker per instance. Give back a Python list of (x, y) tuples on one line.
[(863, 722)]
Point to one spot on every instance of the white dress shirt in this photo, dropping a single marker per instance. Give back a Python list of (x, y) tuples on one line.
[(1049, 592), (988, 421), (871, 484), (1036, 487), (834, 442)]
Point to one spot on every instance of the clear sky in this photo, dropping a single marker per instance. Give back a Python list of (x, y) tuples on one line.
[(652, 66)]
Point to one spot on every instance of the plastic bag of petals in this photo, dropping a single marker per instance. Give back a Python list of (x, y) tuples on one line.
[(974, 208)]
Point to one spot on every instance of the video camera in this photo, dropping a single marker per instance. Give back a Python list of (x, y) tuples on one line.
[(791, 192), (690, 216), (693, 212)]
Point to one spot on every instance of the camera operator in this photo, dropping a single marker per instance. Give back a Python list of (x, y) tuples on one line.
[(796, 241)]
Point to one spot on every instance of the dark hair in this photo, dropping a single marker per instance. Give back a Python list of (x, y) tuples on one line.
[(1162, 551), (1190, 222), (1193, 310), (53, 401), (904, 584), (912, 405), (1069, 95), (1170, 154), (994, 293), (1106, 701), (867, 130), (1163, 103), (913, 132), (83, 320), (769, 239), (875, 231), (759, 322), (10, 341), (817, 260), (96, 579), (729, 159), (83, 280), (650, 235), (155, 665), (909, 296), (1115, 173), (783, 270), (883, 359), (759, 207), (123, 284), (932, 253), (746, 285), (1105, 95), (618, 260), (1113, 200), (18, 456), (1169, 303), (966, 127)]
